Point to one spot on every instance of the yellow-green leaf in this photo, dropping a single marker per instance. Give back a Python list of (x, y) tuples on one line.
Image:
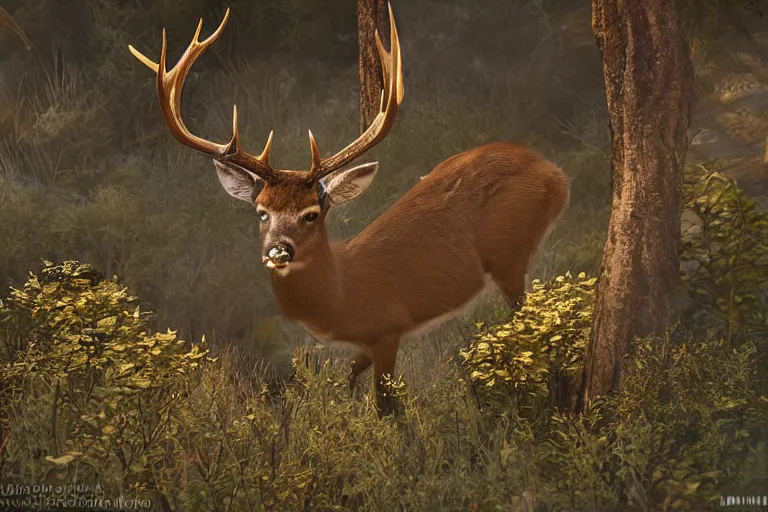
[(107, 323)]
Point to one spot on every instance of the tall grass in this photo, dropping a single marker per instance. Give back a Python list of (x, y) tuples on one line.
[(89, 170)]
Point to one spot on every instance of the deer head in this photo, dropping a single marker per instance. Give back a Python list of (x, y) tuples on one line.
[(292, 205)]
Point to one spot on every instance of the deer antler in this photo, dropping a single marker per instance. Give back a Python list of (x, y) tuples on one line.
[(169, 89), (392, 68), (5, 19)]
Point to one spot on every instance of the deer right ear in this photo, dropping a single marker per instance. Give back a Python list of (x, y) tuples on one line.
[(238, 182), (345, 185)]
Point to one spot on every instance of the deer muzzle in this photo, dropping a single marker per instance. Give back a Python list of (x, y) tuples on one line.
[(278, 256)]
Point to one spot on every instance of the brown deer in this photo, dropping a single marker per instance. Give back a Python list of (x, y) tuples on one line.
[(476, 219)]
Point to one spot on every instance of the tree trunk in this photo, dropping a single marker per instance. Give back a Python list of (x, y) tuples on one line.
[(371, 15), (648, 82), (765, 158)]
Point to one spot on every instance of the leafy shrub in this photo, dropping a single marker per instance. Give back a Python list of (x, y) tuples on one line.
[(540, 348), (725, 254), (684, 427), (88, 377), (133, 412), (698, 409)]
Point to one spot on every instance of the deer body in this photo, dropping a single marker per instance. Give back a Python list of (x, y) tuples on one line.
[(479, 215), (477, 219)]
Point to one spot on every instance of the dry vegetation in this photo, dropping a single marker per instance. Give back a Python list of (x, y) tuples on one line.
[(89, 171), (93, 391)]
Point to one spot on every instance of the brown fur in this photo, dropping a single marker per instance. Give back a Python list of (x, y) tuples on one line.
[(481, 213), (288, 195), (484, 211)]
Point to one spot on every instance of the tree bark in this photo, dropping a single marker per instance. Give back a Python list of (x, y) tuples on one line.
[(648, 82), (765, 157), (372, 15)]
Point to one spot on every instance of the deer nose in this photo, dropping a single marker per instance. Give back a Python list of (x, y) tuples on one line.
[(280, 253)]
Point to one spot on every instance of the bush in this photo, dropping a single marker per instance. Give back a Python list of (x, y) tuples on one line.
[(689, 419), (725, 257), (135, 413), (540, 349), (86, 385), (658, 442)]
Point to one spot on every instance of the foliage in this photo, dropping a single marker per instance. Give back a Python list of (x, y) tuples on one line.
[(693, 440), (689, 421), (94, 399), (725, 253), (197, 434), (658, 442), (309, 446), (542, 343), (108, 384)]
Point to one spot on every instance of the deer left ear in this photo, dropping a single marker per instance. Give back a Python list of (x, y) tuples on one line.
[(238, 182), (345, 185)]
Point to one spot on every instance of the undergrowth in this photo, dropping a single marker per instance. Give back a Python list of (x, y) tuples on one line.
[(91, 395)]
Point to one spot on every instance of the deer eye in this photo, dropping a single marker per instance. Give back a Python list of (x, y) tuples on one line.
[(311, 217), (263, 216)]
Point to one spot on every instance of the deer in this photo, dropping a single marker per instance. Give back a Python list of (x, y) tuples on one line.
[(472, 224)]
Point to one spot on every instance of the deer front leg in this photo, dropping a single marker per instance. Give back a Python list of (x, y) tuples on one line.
[(384, 356), (360, 363)]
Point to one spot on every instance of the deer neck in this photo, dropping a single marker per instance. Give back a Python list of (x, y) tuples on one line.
[(313, 293)]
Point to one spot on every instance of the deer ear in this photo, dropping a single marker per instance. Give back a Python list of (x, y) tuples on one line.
[(344, 186), (238, 182)]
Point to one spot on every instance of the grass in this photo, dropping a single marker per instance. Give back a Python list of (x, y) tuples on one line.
[(194, 432), (88, 172), (89, 168)]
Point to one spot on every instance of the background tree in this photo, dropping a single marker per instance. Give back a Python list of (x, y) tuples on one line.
[(649, 86), (765, 158), (372, 15)]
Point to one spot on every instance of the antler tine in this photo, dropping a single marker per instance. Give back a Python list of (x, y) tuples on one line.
[(392, 70), (170, 85), (316, 160), (264, 156)]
